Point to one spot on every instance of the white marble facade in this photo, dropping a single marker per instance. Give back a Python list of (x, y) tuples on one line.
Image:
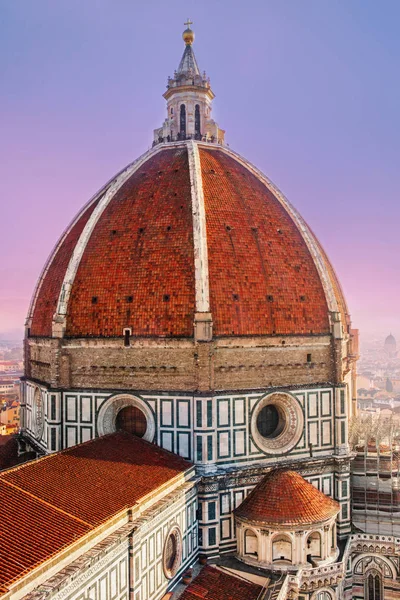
[(209, 431), (128, 563)]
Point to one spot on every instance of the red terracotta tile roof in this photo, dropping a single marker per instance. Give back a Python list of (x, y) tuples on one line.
[(284, 497), (256, 254), (137, 269), (143, 274), (214, 584), (53, 501), (30, 532)]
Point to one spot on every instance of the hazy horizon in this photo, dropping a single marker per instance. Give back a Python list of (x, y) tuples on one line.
[(306, 91)]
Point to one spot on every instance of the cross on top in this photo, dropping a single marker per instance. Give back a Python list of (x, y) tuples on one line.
[(188, 23)]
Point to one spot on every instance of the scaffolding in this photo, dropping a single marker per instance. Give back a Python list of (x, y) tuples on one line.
[(375, 473)]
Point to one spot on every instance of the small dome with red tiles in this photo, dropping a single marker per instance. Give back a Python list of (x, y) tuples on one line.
[(188, 231), (284, 498)]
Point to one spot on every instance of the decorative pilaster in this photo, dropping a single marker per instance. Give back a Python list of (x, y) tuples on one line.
[(264, 548), (326, 547), (300, 547)]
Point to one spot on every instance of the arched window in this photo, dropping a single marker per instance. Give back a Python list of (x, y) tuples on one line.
[(132, 420), (250, 542), (197, 121), (282, 549), (324, 595), (373, 586), (314, 544), (183, 122)]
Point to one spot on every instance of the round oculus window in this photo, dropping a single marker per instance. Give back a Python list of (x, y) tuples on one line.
[(277, 423), (131, 419), (172, 555), (127, 413)]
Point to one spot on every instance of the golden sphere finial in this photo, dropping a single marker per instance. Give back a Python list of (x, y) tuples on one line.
[(188, 34)]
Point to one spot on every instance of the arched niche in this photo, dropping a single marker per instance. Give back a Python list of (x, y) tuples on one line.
[(250, 542), (314, 544), (282, 549)]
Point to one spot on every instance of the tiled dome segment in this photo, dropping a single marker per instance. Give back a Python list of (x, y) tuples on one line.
[(47, 299), (285, 498), (137, 269), (263, 279)]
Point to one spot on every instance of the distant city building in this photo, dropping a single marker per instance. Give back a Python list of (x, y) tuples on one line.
[(389, 385), (9, 414), (11, 366), (8, 428), (8, 386), (364, 382), (390, 346)]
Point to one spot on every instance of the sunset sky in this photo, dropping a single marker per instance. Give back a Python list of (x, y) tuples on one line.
[(308, 90)]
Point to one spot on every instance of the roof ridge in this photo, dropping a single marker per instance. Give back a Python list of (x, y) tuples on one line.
[(47, 456), (6, 472), (47, 503)]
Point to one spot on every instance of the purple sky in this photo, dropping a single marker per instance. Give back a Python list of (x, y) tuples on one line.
[(308, 90)]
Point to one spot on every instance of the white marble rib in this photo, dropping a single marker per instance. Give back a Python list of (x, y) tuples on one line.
[(199, 230)]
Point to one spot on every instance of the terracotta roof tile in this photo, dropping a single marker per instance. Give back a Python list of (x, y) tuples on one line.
[(263, 279), (31, 531), (284, 497), (139, 261), (214, 584), (56, 499)]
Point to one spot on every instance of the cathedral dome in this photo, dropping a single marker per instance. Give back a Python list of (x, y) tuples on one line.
[(390, 341), (284, 498), (188, 231)]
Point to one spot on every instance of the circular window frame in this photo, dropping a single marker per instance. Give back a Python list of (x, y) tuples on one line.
[(293, 427), (106, 420), (170, 573), (38, 417)]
